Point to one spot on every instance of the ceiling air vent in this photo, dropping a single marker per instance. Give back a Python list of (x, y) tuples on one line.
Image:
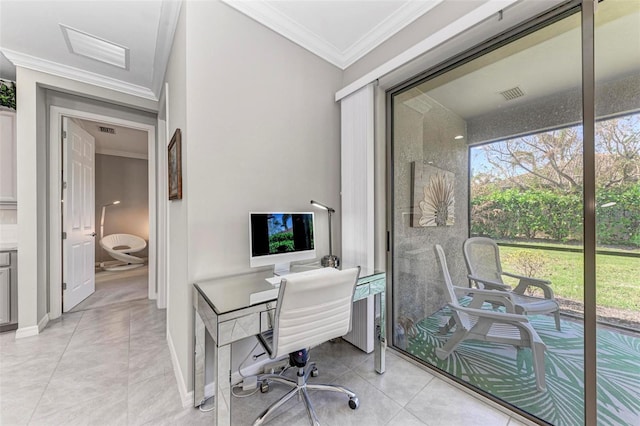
[(511, 94), (95, 48), (109, 130)]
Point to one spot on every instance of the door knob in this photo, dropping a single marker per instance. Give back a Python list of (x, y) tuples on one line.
[(93, 234)]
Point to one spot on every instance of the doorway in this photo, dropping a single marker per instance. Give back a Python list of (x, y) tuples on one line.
[(121, 215), (57, 223)]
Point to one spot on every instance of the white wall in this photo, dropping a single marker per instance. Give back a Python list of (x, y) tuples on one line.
[(32, 178), (178, 298), (262, 133)]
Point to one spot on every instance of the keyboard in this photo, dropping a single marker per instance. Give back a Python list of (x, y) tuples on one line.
[(275, 281)]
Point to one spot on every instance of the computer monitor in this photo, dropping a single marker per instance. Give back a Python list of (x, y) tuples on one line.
[(280, 238)]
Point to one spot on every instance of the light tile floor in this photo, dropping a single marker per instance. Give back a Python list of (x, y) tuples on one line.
[(111, 366)]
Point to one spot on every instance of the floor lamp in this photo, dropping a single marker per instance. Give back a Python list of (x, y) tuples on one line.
[(330, 259), (104, 208)]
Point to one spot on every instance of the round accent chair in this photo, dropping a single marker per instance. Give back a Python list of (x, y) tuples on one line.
[(120, 247)]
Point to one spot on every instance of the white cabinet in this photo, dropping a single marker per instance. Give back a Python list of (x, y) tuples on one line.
[(5, 295), (8, 188), (8, 290)]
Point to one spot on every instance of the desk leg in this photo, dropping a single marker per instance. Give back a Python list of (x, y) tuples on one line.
[(222, 362), (380, 344), (199, 358)]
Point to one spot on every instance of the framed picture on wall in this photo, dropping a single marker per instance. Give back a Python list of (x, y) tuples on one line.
[(175, 166)]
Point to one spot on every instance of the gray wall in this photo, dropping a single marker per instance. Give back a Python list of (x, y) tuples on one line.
[(179, 330), (418, 284), (262, 133), (127, 180)]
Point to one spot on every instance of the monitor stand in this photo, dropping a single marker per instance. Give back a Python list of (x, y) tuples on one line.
[(281, 269)]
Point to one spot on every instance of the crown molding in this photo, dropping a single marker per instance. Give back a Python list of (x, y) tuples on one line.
[(169, 14), (386, 29), (38, 64), (272, 18)]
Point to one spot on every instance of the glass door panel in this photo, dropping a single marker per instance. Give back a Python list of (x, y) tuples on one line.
[(617, 170), (493, 148)]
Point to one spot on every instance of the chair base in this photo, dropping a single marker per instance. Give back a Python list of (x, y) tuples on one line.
[(122, 267), (301, 387)]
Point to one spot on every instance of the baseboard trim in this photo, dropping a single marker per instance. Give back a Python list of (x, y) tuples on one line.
[(43, 323), (185, 396), (34, 330), (23, 332)]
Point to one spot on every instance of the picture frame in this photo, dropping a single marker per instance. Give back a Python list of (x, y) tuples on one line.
[(175, 166)]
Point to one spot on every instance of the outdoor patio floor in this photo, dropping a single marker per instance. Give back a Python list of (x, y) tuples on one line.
[(494, 368)]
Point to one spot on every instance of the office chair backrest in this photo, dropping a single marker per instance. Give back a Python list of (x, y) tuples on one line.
[(482, 257), (313, 309)]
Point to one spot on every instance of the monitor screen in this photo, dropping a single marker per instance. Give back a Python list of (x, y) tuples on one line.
[(280, 238)]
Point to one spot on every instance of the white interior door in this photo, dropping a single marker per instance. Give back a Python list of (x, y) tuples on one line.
[(79, 214)]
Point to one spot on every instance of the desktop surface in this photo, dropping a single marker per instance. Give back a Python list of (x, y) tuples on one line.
[(232, 293), (228, 294)]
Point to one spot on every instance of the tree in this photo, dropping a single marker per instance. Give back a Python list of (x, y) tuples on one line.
[(553, 159), (543, 160), (618, 145)]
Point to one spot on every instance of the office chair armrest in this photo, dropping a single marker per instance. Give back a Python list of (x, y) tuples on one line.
[(484, 283), (525, 282), (480, 296)]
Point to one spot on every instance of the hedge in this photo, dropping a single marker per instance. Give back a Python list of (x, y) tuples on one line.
[(555, 216)]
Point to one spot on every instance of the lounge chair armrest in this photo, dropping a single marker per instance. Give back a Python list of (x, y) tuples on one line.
[(497, 316), (525, 282), (480, 296), (489, 284)]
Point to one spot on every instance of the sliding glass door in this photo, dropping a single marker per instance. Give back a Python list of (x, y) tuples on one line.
[(617, 209), (491, 155)]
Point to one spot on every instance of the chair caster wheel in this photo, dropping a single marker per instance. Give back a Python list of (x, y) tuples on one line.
[(264, 387), (314, 372), (354, 403)]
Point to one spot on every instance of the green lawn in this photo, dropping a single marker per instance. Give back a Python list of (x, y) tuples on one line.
[(618, 277)]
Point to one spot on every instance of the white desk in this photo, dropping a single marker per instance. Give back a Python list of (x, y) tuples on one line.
[(223, 315)]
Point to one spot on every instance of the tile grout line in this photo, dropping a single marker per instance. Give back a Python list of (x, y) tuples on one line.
[(128, 365), (55, 369)]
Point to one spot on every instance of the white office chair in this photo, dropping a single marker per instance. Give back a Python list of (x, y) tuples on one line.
[(311, 310)]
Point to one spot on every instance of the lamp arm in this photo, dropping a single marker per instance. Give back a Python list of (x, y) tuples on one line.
[(330, 245), (102, 222)]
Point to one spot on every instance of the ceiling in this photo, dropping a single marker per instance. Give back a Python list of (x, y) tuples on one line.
[(31, 33), (341, 32), (542, 64), (31, 36), (123, 142)]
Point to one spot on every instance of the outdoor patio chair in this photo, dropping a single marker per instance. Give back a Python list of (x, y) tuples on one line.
[(482, 257), (488, 325)]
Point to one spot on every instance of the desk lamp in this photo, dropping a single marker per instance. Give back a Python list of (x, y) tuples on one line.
[(329, 260), (104, 208)]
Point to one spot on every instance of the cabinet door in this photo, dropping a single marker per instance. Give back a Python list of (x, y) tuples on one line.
[(8, 188), (5, 285)]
